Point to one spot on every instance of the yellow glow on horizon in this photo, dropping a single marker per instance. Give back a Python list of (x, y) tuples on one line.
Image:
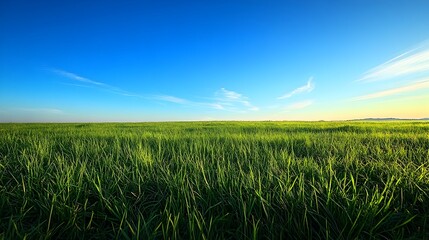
[(409, 107)]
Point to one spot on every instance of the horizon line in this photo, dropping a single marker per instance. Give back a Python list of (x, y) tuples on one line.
[(267, 120)]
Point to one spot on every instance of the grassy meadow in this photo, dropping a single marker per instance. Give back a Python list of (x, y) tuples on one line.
[(215, 180)]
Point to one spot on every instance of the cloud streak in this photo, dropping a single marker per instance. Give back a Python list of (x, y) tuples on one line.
[(415, 61), (406, 68), (304, 89), (85, 82), (299, 105), (223, 99), (233, 101), (41, 110), (76, 77), (172, 99), (408, 88)]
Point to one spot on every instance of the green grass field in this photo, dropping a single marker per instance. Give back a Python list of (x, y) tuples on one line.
[(215, 180)]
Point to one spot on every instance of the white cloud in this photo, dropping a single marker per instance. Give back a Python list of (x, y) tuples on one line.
[(415, 61), (172, 99), (85, 82), (216, 106), (42, 110), (76, 77), (306, 88), (406, 69), (231, 95), (299, 105), (225, 100), (233, 101), (408, 88)]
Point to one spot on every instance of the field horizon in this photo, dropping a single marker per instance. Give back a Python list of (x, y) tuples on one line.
[(370, 119)]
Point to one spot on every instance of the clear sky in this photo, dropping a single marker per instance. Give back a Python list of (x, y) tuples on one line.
[(129, 60)]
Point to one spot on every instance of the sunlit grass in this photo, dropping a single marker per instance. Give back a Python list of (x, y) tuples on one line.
[(215, 180)]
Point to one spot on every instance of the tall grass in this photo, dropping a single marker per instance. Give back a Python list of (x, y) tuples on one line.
[(215, 180)]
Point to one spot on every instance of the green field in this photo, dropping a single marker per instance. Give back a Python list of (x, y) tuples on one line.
[(215, 180)]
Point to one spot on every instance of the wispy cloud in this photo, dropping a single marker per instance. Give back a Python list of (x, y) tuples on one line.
[(233, 101), (172, 99), (406, 69), (215, 106), (85, 82), (299, 105), (306, 88), (42, 110), (408, 88), (76, 77), (415, 61), (224, 99)]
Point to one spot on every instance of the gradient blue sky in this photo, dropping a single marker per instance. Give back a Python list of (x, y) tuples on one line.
[(70, 61)]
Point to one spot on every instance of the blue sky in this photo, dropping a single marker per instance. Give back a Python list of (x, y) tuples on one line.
[(129, 60)]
